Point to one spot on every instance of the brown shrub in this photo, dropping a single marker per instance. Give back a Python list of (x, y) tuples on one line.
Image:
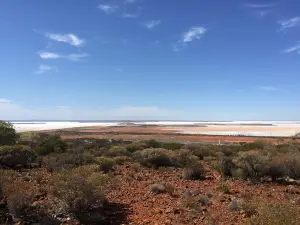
[(120, 160), (194, 171), (117, 151), (154, 157)]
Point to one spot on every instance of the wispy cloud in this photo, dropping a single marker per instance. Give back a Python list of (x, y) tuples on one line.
[(49, 55), (295, 48), (72, 57), (108, 8), (260, 6), (71, 39), (129, 15), (194, 33), (269, 88), (44, 68), (289, 23), (4, 101), (130, 1), (151, 24)]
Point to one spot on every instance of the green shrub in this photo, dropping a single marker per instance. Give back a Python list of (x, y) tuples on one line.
[(136, 146), (198, 150), (253, 163), (153, 157), (171, 145), (226, 166), (8, 135), (29, 138), (224, 187), (276, 215), (117, 151), (105, 164), (50, 144), (194, 171), (204, 200), (16, 156), (184, 157), (153, 144), (81, 189), (120, 160)]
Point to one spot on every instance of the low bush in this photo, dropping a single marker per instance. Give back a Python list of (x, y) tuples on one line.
[(194, 171), (105, 164), (81, 189), (120, 160), (172, 145), (276, 215), (50, 144), (184, 157), (226, 166), (117, 151), (29, 138), (136, 146), (153, 157), (190, 202), (199, 150), (16, 156), (153, 144), (253, 163), (204, 200)]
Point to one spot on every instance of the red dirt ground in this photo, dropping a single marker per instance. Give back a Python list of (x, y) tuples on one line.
[(158, 133)]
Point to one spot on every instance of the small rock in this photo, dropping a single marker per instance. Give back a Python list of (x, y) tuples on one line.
[(297, 201)]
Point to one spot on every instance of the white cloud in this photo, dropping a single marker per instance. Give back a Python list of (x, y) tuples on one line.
[(295, 48), (108, 8), (289, 23), (130, 1), (72, 57), (4, 101), (194, 33), (49, 55), (76, 57), (259, 6), (129, 15), (44, 68), (71, 39), (269, 88), (151, 24)]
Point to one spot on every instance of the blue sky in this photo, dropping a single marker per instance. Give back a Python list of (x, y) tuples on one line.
[(150, 59)]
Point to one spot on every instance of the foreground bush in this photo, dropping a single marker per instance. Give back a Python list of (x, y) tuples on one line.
[(81, 189), (193, 171), (8, 135), (16, 156), (29, 138), (276, 215), (136, 146), (153, 157)]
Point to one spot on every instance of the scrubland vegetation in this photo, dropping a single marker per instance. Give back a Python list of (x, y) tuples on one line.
[(46, 180)]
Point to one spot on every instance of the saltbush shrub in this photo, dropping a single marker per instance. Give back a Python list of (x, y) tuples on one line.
[(105, 164), (157, 188), (16, 156), (136, 146), (193, 171), (184, 157), (81, 188), (153, 157), (116, 151)]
